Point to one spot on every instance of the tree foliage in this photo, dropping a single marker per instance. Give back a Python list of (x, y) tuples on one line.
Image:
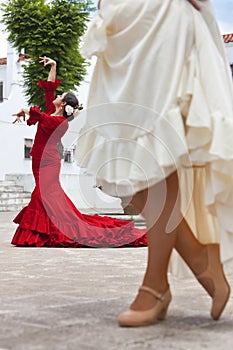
[(51, 28)]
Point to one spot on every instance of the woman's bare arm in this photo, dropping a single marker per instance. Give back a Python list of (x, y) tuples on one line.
[(52, 73)]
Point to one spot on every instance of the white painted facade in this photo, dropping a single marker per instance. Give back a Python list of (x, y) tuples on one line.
[(229, 51)]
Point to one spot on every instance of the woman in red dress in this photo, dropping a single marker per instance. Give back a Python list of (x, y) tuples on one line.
[(51, 219)]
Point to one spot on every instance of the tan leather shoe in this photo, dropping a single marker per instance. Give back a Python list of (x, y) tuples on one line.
[(133, 318), (214, 281)]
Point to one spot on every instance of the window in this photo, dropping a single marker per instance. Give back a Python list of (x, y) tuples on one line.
[(1, 91), (27, 148), (69, 155)]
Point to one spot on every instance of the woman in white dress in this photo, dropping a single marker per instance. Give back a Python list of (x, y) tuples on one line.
[(160, 110)]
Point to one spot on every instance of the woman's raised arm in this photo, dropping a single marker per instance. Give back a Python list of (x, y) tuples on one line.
[(52, 73)]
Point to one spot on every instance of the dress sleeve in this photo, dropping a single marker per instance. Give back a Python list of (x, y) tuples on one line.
[(49, 88), (35, 115), (47, 122)]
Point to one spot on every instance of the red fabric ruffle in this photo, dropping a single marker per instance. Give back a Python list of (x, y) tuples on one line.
[(38, 229), (35, 115)]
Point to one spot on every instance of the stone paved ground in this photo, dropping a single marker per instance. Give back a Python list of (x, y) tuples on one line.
[(68, 299)]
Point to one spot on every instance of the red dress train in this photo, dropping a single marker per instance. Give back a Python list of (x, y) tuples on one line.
[(51, 219)]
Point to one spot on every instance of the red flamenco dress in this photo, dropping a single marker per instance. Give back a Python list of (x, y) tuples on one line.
[(51, 219)]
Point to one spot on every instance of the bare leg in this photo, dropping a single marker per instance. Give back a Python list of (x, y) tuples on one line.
[(160, 243), (190, 249), (167, 229), (204, 261)]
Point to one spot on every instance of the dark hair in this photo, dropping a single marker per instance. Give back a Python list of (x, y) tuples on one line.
[(71, 100)]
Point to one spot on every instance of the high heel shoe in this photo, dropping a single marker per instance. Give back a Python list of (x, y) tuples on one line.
[(214, 281), (133, 318)]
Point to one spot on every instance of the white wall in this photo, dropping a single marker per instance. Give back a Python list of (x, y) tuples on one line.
[(229, 51), (12, 135), (3, 78)]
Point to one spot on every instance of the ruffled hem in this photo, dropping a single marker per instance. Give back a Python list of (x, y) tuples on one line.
[(36, 228), (29, 238), (128, 156)]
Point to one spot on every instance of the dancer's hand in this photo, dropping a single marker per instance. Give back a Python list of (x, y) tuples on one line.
[(195, 4), (21, 115), (47, 61)]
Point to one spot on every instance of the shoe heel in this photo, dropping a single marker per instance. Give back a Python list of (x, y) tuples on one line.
[(163, 314), (133, 318)]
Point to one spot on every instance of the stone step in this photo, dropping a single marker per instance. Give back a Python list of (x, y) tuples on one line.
[(13, 188), (16, 195), (7, 182), (12, 201), (11, 207), (13, 197)]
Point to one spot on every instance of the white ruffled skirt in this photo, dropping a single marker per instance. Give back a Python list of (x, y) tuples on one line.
[(161, 99)]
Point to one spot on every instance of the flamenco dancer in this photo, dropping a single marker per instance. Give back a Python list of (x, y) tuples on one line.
[(51, 219)]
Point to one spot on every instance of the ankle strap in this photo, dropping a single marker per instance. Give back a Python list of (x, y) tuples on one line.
[(153, 292)]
